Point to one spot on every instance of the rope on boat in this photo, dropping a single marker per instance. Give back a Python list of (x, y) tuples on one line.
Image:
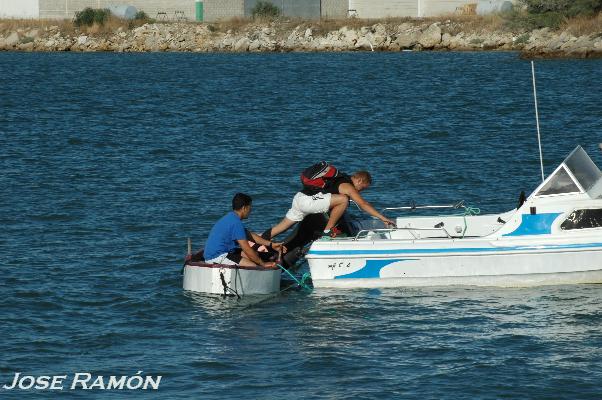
[(298, 283), (226, 287), (301, 282), (468, 211)]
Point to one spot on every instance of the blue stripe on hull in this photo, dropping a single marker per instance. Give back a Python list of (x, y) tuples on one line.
[(371, 269), (456, 250), (535, 224)]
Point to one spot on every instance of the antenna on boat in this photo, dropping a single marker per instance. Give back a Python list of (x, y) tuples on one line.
[(189, 246), (537, 120)]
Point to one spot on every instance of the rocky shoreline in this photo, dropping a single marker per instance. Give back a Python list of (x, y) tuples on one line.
[(304, 37)]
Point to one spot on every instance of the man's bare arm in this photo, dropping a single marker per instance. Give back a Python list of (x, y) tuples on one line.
[(349, 190), (275, 245), (259, 240), (249, 252)]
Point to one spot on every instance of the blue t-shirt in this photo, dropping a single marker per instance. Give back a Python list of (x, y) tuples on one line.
[(223, 236)]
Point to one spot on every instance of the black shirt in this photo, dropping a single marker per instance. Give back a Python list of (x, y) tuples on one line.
[(333, 185)]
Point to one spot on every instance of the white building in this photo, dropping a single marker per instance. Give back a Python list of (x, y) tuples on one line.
[(25, 9), (66, 9), (225, 9), (367, 9)]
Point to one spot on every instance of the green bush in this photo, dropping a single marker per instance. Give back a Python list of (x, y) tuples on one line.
[(527, 21), (567, 8), (550, 13), (90, 16), (139, 19), (543, 6), (265, 10), (522, 39), (141, 16), (584, 7)]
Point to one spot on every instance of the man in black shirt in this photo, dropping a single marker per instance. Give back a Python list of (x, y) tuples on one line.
[(334, 197)]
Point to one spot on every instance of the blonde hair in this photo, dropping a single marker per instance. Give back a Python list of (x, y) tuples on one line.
[(364, 176)]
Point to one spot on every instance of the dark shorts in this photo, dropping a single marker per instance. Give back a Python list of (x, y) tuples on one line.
[(235, 255)]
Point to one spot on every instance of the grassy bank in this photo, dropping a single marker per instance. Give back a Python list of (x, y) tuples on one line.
[(579, 36), (89, 20), (512, 22)]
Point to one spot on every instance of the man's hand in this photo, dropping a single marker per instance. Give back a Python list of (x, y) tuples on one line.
[(389, 223), (278, 246), (349, 190), (268, 264)]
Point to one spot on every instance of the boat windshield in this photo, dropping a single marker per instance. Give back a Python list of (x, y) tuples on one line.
[(559, 183), (582, 170)]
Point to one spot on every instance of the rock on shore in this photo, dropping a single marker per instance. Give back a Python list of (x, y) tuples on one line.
[(307, 37)]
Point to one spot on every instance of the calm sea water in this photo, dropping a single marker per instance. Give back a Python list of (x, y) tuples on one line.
[(109, 162)]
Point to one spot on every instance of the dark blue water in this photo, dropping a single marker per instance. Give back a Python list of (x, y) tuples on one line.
[(109, 162)]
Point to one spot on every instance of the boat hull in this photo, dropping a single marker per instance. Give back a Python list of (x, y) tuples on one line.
[(206, 278), (523, 280), (507, 267)]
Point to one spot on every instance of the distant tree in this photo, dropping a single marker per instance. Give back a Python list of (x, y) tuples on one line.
[(567, 8), (265, 10), (142, 16), (90, 16), (584, 7)]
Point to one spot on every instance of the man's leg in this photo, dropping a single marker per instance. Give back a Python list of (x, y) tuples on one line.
[(245, 261), (281, 227), (239, 257), (338, 205), (293, 215)]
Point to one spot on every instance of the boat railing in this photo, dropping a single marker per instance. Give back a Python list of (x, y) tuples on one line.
[(413, 207), (365, 232)]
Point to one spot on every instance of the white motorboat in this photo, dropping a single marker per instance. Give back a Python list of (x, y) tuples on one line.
[(553, 237)]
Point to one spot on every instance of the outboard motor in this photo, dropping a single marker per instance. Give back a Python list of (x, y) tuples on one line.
[(310, 229), (304, 233)]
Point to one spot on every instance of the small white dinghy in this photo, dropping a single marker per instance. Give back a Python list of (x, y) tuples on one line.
[(202, 277), (235, 280)]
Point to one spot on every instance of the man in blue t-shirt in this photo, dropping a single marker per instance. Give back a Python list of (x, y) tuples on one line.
[(228, 242)]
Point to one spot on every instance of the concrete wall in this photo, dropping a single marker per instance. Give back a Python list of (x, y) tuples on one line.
[(57, 9), (21, 9), (307, 9), (433, 8), (408, 8), (152, 7), (335, 9), (216, 10), (384, 8)]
